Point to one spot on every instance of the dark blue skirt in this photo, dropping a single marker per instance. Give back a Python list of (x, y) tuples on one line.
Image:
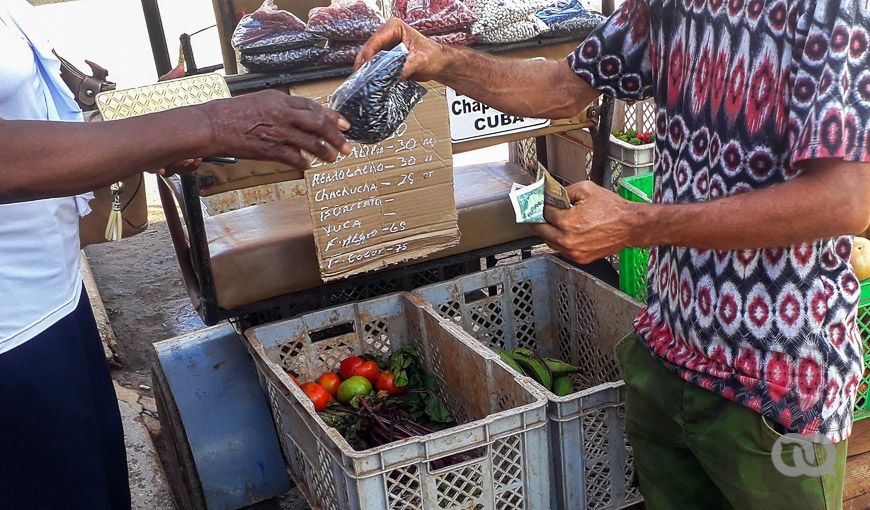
[(61, 439)]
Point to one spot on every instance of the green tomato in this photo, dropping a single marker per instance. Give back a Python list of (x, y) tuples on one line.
[(353, 386)]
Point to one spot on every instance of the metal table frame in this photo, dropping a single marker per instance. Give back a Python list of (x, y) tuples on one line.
[(192, 249)]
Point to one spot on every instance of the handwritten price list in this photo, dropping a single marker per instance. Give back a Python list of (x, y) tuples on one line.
[(383, 204)]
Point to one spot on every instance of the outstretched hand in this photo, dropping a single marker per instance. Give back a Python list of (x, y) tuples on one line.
[(425, 59), (275, 126)]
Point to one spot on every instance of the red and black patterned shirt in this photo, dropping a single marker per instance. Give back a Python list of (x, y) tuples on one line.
[(744, 91)]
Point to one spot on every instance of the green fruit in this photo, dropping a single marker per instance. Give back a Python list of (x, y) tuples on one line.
[(353, 386), (558, 367), (509, 361), (563, 385), (534, 366), (523, 351)]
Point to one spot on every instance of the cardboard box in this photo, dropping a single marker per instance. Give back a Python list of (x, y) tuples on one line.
[(385, 203)]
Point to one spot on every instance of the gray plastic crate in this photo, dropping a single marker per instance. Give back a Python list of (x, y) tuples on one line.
[(561, 312), (504, 422)]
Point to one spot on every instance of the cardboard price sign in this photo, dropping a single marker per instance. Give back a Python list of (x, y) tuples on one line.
[(473, 120), (385, 203)]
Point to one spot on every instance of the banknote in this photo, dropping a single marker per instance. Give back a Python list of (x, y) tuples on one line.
[(528, 202), (555, 195)]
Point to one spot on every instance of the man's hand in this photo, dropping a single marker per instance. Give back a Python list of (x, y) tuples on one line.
[(598, 225), (182, 167), (275, 126), (425, 57)]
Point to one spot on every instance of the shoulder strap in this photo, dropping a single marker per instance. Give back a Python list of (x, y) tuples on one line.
[(84, 87)]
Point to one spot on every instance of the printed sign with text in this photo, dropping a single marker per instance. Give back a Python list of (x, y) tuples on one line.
[(473, 120)]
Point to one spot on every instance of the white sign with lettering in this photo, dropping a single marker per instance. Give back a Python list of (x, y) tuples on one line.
[(473, 120)]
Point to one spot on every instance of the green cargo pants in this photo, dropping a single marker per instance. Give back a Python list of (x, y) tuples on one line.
[(696, 450)]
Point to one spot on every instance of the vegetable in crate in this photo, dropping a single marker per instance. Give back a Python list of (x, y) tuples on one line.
[(345, 20), (369, 370), (534, 366), (563, 385), (330, 382), (269, 29), (317, 394), (374, 100), (353, 386), (553, 374), (387, 382), (348, 365), (432, 17), (633, 137), (405, 405)]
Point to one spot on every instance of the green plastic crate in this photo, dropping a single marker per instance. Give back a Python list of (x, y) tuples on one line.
[(633, 261), (862, 405)]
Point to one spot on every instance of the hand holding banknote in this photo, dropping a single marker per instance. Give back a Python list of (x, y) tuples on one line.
[(599, 224), (528, 201)]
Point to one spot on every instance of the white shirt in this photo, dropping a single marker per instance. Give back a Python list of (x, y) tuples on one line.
[(40, 265)]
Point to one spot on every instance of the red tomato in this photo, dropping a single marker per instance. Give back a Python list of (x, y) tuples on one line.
[(294, 379), (330, 382), (317, 394), (345, 370), (387, 382), (369, 370)]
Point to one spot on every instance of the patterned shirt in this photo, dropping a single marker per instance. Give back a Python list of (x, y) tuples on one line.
[(744, 91)]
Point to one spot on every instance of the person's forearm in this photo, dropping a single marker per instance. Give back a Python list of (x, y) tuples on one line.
[(831, 198), (528, 88), (50, 159)]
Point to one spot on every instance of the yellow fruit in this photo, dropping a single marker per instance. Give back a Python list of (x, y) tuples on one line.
[(861, 258)]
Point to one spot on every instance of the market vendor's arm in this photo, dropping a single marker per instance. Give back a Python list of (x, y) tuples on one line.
[(538, 88), (52, 159), (831, 198)]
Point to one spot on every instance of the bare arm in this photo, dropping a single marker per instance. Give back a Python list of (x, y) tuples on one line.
[(51, 159), (831, 198), (539, 88), (529, 88)]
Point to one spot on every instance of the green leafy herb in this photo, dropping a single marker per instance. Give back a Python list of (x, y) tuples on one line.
[(437, 411), (405, 365)]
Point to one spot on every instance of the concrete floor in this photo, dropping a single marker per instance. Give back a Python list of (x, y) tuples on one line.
[(148, 486)]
